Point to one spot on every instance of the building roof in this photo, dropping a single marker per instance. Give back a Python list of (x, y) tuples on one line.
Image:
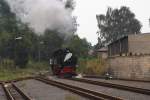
[(128, 36), (103, 49)]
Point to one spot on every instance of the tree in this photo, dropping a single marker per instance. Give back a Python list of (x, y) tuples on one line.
[(6, 45), (79, 46), (117, 23), (8, 21), (21, 53), (48, 43), (70, 4), (99, 44)]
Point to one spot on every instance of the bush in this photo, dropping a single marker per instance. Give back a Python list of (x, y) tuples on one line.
[(38, 65), (6, 64), (21, 55), (9, 71), (21, 61), (92, 66)]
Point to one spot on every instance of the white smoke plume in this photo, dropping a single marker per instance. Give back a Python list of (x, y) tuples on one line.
[(43, 14)]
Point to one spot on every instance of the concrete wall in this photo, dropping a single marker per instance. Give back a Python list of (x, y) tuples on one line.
[(130, 67), (139, 43)]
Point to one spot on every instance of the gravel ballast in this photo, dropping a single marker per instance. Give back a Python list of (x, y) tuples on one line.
[(110, 91), (41, 91)]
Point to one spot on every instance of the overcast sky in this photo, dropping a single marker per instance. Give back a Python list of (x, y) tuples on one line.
[(86, 11)]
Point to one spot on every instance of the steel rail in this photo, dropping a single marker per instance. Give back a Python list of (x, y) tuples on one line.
[(7, 92), (122, 79), (81, 91), (25, 96), (16, 80), (111, 85)]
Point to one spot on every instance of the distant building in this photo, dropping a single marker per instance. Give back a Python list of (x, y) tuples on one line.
[(131, 44), (91, 52), (102, 53), (129, 57)]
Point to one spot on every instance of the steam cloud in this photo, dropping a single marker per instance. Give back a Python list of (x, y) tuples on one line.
[(43, 14)]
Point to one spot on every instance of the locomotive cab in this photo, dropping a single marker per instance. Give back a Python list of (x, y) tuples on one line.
[(63, 63)]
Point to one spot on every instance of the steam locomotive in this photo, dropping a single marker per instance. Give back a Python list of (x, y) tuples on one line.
[(63, 63)]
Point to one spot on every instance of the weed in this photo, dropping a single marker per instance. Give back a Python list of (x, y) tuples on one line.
[(92, 66)]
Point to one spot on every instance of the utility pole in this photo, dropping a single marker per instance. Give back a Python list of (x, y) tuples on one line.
[(39, 53)]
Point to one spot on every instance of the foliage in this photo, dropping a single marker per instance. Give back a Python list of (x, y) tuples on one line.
[(8, 70), (7, 64), (70, 4), (8, 21), (92, 66), (39, 66), (79, 46), (49, 42), (31, 46), (117, 23), (5, 45), (21, 52), (99, 45)]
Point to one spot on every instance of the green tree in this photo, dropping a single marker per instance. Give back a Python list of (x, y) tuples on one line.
[(99, 45), (117, 23), (15, 46), (31, 39), (79, 46), (21, 53), (5, 45), (48, 43), (8, 21)]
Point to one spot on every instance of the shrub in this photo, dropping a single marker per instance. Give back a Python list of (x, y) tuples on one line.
[(6, 64), (93, 66), (38, 65)]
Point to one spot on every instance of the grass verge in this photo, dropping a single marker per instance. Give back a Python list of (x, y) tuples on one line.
[(12, 72)]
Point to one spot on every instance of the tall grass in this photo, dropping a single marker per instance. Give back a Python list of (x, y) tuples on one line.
[(9, 71), (92, 66)]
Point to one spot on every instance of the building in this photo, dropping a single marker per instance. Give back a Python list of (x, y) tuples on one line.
[(129, 57), (102, 53), (131, 44)]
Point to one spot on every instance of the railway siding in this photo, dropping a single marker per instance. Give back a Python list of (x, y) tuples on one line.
[(37, 90), (41, 91), (144, 85), (14, 93), (81, 91), (112, 85), (110, 91)]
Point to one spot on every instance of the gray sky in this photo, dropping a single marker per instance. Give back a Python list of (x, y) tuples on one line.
[(86, 11)]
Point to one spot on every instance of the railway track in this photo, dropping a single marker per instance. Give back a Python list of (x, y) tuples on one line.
[(81, 91), (95, 76), (16, 80), (14, 93), (118, 86)]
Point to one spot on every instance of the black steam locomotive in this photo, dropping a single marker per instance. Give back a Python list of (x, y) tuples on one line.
[(63, 63)]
